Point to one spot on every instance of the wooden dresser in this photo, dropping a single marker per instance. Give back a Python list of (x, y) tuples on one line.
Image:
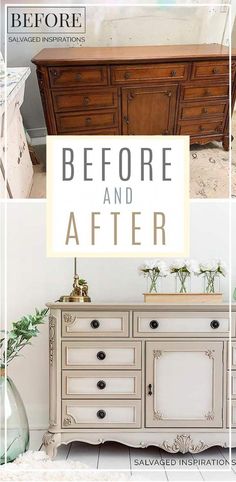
[(141, 375), (153, 90)]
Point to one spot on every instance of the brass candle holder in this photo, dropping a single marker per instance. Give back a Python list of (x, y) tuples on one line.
[(79, 294)]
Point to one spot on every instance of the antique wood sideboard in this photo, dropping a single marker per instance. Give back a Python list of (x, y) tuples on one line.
[(142, 374), (151, 90)]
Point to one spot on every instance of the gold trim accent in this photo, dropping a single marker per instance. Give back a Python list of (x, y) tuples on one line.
[(184, 443)]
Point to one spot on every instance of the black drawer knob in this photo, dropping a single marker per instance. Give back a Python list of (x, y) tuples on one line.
[(215, 324), (101, 414), (101, 384), (101, 355), (154, 324), (95, 324)]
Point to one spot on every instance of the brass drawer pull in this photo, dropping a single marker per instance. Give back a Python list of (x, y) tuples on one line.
[(101, 355), (88, 121), (95, 324), (173, 73), (55, 73), (86, 100), (127, 75), (215, 71), (101, 384), (101, 414)]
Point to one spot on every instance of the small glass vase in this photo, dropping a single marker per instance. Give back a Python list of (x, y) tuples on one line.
[(182, 283), (12, 407), (211, 283), (154, 285)]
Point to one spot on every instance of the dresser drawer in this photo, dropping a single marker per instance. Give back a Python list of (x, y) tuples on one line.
[(153, 324), (95, 324), (210, 70), (202, 111), (189, 92), (95, 99), (201, 127), (67, 123), (77, 76), (233, 355), (101, 354), (231, 407), (233, 384), (105, 384), (148, 73), (104, 413)]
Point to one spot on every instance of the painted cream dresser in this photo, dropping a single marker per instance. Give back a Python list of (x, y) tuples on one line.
[(141, 374)]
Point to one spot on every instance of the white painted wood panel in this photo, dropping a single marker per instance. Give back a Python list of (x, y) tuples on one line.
[(85, 384), (81, 324)]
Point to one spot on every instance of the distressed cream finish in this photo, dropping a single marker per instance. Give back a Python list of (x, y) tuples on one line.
[(110, 381)]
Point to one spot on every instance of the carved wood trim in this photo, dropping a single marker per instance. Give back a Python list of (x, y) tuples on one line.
[(184, 443), (52, 335), (68, 318)]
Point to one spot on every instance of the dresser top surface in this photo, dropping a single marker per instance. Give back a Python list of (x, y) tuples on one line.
[(173, 307), (131, 54)]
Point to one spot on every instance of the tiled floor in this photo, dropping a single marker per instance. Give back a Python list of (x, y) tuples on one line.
[(137, 464), (209, 171)]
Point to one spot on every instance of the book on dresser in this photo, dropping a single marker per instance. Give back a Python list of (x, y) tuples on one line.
[(142, 375), (148, 90)]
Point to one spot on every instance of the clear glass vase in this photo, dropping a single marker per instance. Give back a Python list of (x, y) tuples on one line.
[(182, 283), (13, 410), (211, 283), (154, 285)]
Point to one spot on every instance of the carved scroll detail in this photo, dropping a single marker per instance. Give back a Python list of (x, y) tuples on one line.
[(210, 353), (52, 326), (184, 443), (157, 354), (68, 318)]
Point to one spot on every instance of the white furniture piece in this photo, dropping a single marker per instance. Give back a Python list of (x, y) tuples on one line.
[(142, 374), (15, 161)]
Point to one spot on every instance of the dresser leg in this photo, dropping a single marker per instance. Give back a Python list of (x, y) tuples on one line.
[(50, 442)]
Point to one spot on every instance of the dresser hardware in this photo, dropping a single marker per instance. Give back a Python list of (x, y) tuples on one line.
[(101, 355), (78, 76), (168, 93), (150, 389), (153, 324), (86, 100), (173, 73), (127, 75), (215, 71), (126, 119), (88, 121), (95, 324), (55, 73), (101, 414), (101, 384), (204, 110), (215, 324)]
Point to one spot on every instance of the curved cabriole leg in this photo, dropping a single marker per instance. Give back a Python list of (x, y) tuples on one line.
[(50, 443)]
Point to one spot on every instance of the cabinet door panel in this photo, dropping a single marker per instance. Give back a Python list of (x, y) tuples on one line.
[(186, 380), (149, 110)]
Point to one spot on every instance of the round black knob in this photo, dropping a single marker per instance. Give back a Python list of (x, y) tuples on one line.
[(95, 324), (215, 324), (101, 384), (101, 355), (101, 414), (154, 324)]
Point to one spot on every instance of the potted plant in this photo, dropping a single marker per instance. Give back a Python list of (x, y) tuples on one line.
[(13, 410)]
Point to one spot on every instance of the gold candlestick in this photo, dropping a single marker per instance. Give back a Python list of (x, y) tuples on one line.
[(79, 294)]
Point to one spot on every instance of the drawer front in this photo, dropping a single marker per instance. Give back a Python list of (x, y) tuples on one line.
[(233, 355), (201, 111), (67, 123), (97, 355), (104, 413), (189, 92), (77, 76), (153, 324), (95, 324), (201, 127), (233, 384), (74, 101), (210, 70), (105, 384), (148, 73)]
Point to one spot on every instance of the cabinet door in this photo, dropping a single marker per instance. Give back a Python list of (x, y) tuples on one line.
[(184, 384), (149, 110)]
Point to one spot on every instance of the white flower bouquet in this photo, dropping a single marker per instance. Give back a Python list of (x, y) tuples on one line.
[(211, 271), (153, 270), (182, 269)]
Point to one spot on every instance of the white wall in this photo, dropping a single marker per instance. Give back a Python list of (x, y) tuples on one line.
[(115, 25), (34, 280)]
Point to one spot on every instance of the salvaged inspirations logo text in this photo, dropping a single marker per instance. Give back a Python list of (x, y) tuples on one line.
[(117, 196)]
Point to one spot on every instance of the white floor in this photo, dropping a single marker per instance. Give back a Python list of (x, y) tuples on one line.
[(168, 467)]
